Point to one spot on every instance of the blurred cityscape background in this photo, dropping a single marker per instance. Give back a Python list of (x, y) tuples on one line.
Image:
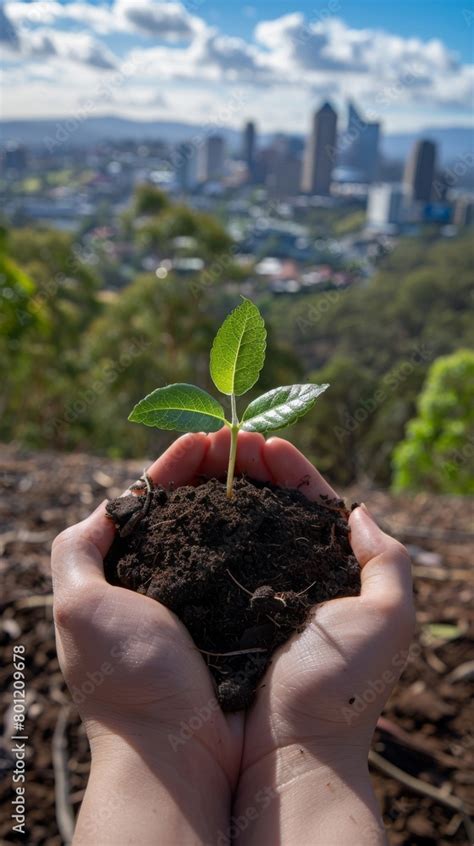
[(120, 237), (142, 242), (157, 161)]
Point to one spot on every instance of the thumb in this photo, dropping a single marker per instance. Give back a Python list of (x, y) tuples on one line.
[(385, 563)]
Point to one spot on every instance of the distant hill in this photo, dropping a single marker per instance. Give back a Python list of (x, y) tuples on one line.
[(95, 129), (453, 141)]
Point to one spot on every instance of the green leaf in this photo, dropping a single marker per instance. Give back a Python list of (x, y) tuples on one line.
[(280, 407), (238, 351), (181, 407)]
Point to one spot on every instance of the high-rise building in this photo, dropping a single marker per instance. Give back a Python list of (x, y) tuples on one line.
[(464, 211), (14, 157), (284, 177), (320, 152), (358, 147), (185, 166), (386, 206), (211, 159), (248, 147), (419, 171)]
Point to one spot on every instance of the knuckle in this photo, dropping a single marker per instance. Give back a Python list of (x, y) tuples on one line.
[(71, 607), (396, 609), (64, 537), (61, 611), (397, 550)]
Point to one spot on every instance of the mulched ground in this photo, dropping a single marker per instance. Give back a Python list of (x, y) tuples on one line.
[(422, 758)]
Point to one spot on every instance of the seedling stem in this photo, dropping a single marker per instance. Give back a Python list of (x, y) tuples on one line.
[(237, 357)]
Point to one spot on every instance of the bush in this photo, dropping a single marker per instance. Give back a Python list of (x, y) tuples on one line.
[(438, 450)]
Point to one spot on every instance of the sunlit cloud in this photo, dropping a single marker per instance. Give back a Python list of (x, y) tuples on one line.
[(174, 51)]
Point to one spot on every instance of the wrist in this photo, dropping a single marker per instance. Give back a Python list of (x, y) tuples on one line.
[(141, 790), (299, 795)]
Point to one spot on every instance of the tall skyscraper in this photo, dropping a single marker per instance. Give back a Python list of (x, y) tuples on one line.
[(358, 147), (248, 147), (14, 157), (211, 159), (419, 171), (320, 152), (386, 206), (185, 166), (284, 178)]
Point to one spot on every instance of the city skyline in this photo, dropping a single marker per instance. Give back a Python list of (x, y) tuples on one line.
[(199, 61)]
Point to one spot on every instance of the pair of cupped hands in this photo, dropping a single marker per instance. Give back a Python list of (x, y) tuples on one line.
[(167, 765)]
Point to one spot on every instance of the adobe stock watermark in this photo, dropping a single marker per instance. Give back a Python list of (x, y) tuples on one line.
[(315, 311), (223, 262), (315, 16), (187, 151), (201, 715), (389, 383), (468, 15), (96, 678), (374, 688), (18, 740), (451, 176), (66, 128), (384, 97), (35, 304), (459, 457), (84, 399), (240, 823)]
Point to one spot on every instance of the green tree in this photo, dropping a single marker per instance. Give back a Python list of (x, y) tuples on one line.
[(333, 438), (149, 200), (159, 231), (438, 450), (54, 298)]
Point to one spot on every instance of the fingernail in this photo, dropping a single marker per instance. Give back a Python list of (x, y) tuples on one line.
[(366, 510)]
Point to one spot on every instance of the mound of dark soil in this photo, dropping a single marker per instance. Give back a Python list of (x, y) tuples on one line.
[(241, 574)]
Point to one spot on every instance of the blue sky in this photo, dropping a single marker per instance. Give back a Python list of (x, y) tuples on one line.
[(408, 64), (445, 19)]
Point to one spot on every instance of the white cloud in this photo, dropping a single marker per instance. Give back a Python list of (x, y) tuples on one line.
[(231, 56), (8, 33), (293, 45), (44, 12), (298, 62), (167, 21), (76, 47)]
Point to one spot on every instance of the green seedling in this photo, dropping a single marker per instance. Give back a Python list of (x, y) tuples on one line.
[(237, 357)]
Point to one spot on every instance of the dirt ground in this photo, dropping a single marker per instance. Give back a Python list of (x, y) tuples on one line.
[(423, 751)]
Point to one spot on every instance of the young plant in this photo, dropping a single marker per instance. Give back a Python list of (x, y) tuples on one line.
[(237, 357)]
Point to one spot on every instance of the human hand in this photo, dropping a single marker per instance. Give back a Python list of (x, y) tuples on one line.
[(308, 734), (300, 708), (143, 690)]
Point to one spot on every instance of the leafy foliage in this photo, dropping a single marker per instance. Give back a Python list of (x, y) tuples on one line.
[(150, 200), (280, 407), (438, 450), (236, 359), (375, 344), (238, 351), (181, 408), (75, 357)]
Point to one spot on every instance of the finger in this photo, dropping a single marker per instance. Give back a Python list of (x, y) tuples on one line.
[(216, 459), (249, 462), (181, 461), (78, 552), (290, 469), (386, 567)]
